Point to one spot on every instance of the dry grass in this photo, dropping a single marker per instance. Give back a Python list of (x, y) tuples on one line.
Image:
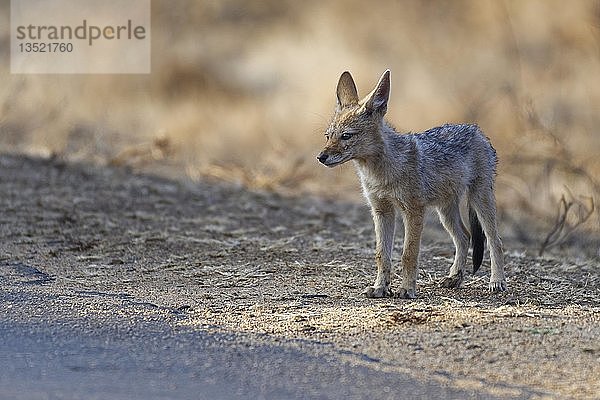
[(542, 328), (289, 270), (241, 91)]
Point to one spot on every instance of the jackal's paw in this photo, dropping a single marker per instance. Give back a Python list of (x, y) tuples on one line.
[(497, 286), (452, 281), (375, 292), (406, 294)]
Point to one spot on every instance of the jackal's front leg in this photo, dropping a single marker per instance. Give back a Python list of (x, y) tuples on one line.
[(413, 226), (384, 218)]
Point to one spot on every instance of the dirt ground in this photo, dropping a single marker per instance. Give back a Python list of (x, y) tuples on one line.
[(286, 269)]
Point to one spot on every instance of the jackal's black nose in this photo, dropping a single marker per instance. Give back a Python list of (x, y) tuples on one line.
[(322, 157)]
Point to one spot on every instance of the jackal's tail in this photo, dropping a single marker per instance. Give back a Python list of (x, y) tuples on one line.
[(477, 239)]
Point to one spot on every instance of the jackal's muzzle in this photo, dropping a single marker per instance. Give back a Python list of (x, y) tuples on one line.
[(331, 160)]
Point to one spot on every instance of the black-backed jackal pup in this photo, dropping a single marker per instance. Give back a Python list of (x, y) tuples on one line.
[(405, 173)]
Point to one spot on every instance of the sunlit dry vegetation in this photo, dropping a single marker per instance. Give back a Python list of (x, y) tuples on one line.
[(241, 91)]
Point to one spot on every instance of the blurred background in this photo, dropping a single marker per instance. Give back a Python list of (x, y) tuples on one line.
[(242, 90)]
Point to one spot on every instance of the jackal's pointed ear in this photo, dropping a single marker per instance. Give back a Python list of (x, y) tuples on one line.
[(346, 91), (378, 99)]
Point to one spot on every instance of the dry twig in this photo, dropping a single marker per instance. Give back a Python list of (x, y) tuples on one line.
[(562, 228)]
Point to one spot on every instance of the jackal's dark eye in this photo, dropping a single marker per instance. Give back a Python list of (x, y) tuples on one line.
[(346, 136)]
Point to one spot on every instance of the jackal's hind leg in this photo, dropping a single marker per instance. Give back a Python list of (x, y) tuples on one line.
[(450, 218), (484, 204)]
